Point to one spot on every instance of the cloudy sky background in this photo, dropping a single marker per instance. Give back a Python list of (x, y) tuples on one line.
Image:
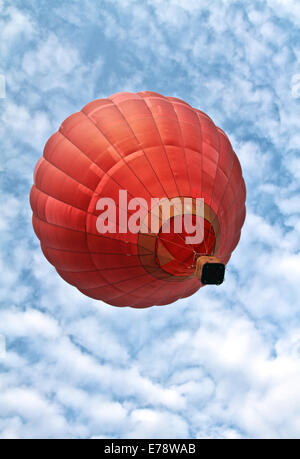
[(224, 363)]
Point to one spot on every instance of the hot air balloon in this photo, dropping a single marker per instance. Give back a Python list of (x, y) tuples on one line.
[(111, 166)]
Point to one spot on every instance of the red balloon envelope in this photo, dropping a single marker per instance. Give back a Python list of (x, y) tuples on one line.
[(131, 150)]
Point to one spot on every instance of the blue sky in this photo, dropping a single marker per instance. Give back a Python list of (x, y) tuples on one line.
[(224, 363)]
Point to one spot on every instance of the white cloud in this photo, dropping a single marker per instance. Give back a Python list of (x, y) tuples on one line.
[(15, 26), (288, 9), (30, 128), (146, 423), (51, 63), (42, 417), (14, 323), (289, 205)]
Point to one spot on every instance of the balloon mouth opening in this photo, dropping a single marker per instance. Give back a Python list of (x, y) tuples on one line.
[(178, 245), (171, 251)]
